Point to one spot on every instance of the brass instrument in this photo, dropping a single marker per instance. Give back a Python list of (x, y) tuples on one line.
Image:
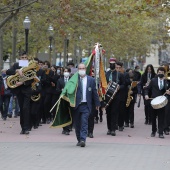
[(38, 96), (29, 73), (130, 98), (167, 73)]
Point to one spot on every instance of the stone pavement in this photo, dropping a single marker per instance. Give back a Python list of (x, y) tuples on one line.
[(46, 148)]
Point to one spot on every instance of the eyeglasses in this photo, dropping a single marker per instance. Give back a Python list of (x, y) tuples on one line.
[(24, 57), (81, 68)]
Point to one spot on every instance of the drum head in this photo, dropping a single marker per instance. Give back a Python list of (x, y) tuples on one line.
[(158, 100)]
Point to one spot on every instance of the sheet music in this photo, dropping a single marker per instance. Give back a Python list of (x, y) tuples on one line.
[(23, 63)]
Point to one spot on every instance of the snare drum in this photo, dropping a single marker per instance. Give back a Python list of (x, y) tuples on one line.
[(159, 102)]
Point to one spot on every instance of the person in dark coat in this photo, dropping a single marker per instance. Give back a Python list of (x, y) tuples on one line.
[(60, 86), (23, 92), (86, 94), (158, 87)]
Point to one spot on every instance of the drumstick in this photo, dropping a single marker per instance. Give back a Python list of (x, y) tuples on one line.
[(165, 92)]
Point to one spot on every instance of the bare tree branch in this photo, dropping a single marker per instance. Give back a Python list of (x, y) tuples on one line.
[(10, 16), (19, 7)]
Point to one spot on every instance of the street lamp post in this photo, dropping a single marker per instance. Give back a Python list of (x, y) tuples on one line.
[(51, 32), (26, 24)]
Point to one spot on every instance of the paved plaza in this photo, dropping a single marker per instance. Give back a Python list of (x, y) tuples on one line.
[(47, 149)]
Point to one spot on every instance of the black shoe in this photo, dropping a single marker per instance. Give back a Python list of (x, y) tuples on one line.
[(126, 125), (26, 132), (131, 125), (4, 118), (146, 122), (9, 115), (166, 132), (22, 132), (48, 121), (149, 123), (120, 128), (63, 132), (43, 122), (78, 144), (67, 133), (113, 133), (90, 135), (35, 127), (108, 132), (153, 134), (161, 136), (101, 119), (82, 144), (15, 116), (96, 121)]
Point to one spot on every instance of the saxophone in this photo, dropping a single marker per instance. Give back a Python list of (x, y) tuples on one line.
[(130, 98)]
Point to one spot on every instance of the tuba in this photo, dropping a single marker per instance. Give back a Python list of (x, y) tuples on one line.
[(29, 73), (35, 97)]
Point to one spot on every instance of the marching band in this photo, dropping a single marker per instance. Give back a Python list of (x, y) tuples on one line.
[(37, 87)]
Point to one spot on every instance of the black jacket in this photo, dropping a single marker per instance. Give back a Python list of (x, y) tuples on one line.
[(118, 78), (154, 87)]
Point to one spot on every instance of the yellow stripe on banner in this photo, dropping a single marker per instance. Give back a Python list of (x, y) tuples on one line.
[(102, 75)]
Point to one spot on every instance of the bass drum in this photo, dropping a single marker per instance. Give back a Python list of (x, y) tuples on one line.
[(159, 102), (110, 93)]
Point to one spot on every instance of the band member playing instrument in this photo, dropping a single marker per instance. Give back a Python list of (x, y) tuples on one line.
[(158, 87), (123, 96), (60, 86), (147, 76), (36, 104), (112, 110), (130, 103), (167, 107), (23, 92), (50, 91)]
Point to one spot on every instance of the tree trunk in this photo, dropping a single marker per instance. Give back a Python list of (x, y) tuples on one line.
[(14, 40), (1, 50)]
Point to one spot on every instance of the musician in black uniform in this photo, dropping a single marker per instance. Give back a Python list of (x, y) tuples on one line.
[(129, 116), (167, 107), (158, 87), (35, 105), (112, 110), (123, 96), (51, 96), (60, 86), (23, 92), (147, 76)]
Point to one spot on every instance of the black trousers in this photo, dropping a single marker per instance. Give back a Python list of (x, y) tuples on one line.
[(24, 99), (112, 112), (122, 113), (50, 100), (129, 116), (35, 111), (91, 119), (148, 110), (167, 116), (42, 115), (160, 113)]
